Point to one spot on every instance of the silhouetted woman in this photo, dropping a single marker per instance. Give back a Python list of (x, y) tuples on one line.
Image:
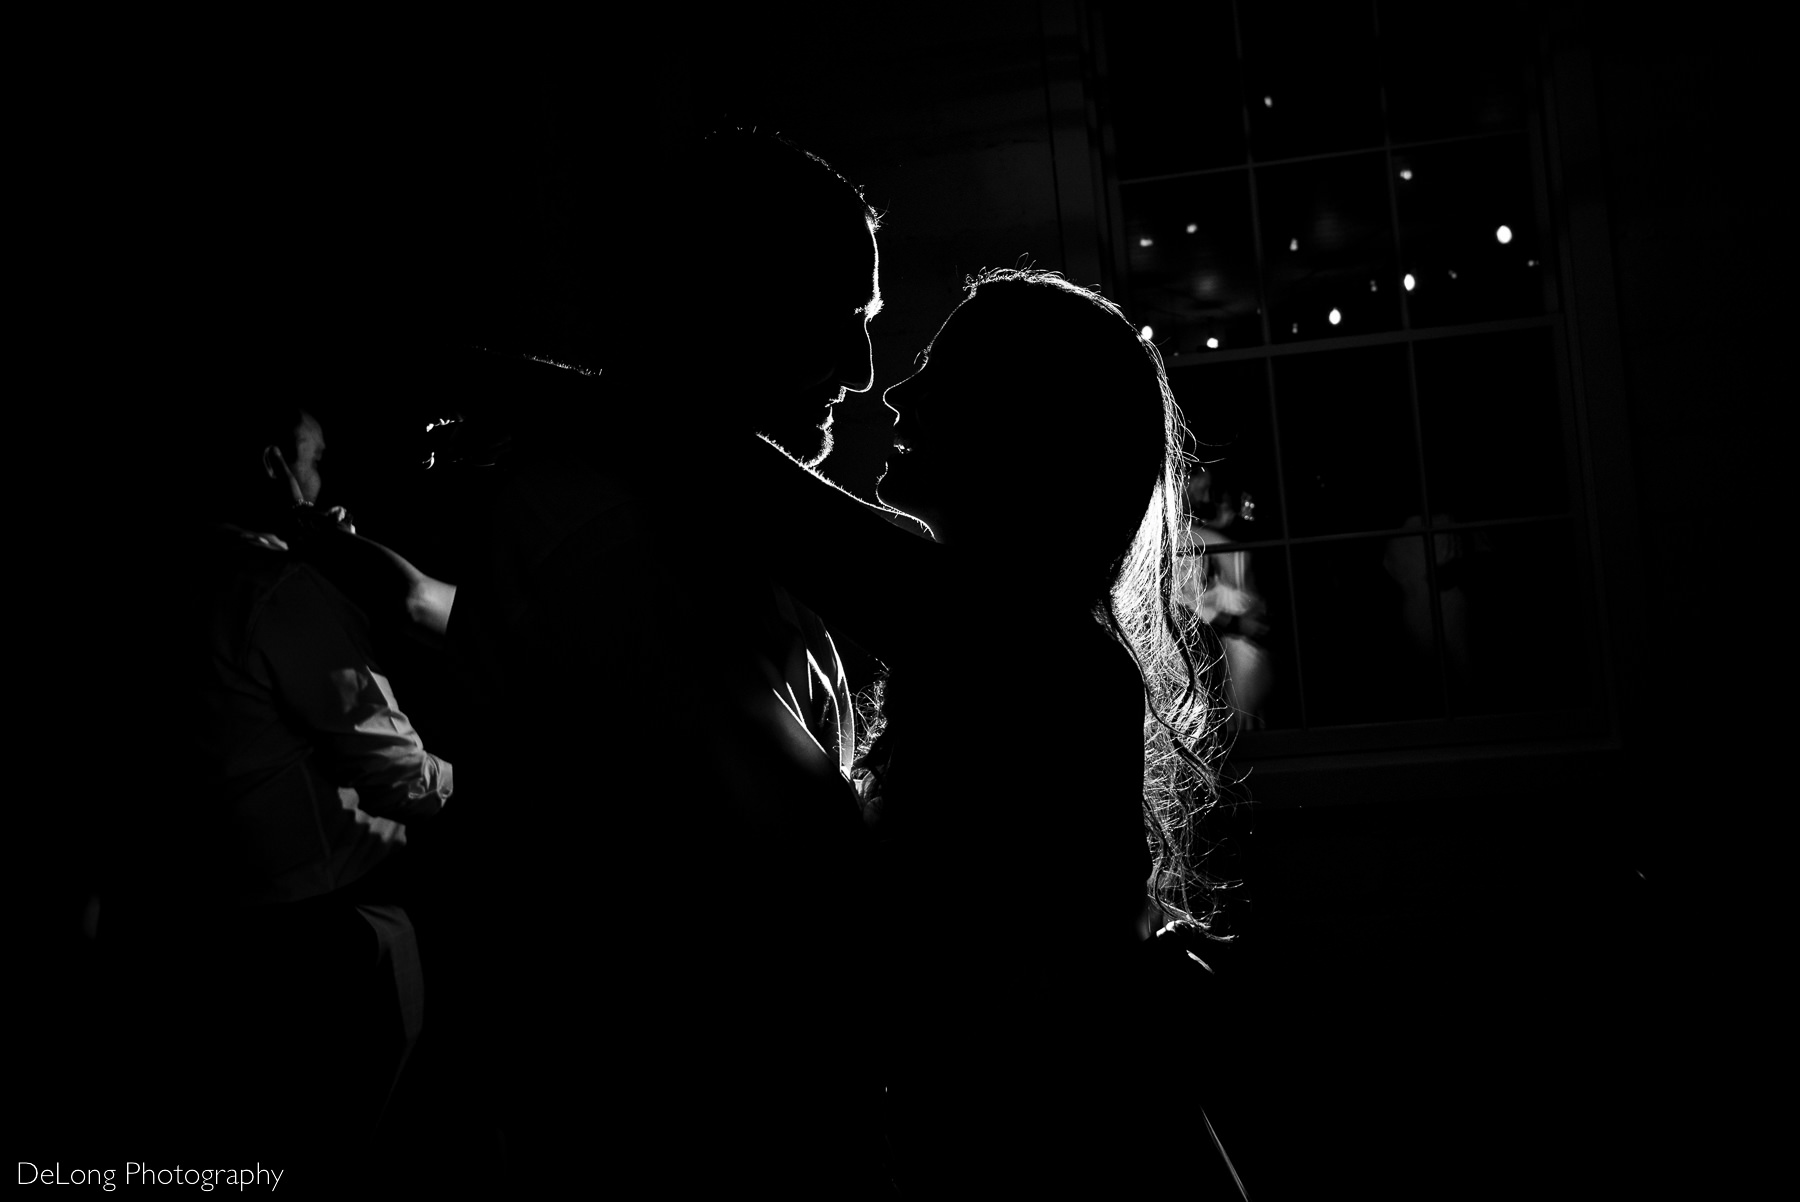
[(1041, 758)]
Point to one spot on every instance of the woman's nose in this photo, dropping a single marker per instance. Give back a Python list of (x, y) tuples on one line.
[(894, 398)]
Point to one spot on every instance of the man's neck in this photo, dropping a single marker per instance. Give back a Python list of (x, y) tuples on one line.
[(751, 470)]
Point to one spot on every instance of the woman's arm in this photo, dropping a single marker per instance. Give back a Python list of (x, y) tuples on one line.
[(376, 577), (428, 604)]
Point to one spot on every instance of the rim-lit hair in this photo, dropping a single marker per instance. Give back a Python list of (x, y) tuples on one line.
[(1084, 375), (1129, 515), (731, 229)]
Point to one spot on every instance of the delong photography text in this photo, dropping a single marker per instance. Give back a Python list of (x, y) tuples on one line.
[(139, 1173)]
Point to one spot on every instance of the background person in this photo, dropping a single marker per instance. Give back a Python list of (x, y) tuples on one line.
[(1219, 584), (254, 910)]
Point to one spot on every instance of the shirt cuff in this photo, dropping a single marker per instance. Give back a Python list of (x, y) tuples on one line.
[(437, 780)]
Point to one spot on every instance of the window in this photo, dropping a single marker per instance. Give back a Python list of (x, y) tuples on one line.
[(1336, 226)]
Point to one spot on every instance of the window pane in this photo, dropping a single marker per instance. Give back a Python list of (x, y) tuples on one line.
[(1468, 232), (1310, 78), (1513, 621), (1328, 248), (1453, 69), (1193, 263), (1243, 596), (1226, 406), (1492, 423), (1347, 444), (1172, 88), (1365, 631)]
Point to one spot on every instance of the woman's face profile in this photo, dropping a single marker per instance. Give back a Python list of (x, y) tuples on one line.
[(1021, 383), (937, 431)]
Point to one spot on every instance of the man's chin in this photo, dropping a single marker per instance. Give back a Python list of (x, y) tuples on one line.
[(807, 446)]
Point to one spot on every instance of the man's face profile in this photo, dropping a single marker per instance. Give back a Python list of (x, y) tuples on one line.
[(301, 459), (820, 352)]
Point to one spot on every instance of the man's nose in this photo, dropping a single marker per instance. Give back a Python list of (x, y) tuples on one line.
[(858, 362)]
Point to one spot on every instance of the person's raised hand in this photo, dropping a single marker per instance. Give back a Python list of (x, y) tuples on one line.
[(308, 526), (303, 514), (284, 478)]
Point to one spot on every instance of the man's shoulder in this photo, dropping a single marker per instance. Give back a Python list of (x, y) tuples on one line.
[(228, 560), (550, 498), (267, 573), (247, 589), (557, 480)]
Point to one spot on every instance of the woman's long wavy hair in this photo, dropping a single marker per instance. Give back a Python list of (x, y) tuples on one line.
[(1118, 544), (1178, 657)]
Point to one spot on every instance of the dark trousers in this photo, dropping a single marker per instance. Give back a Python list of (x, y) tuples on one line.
[(274, 1035)]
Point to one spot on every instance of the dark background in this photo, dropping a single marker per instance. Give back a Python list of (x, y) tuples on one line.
[(1452, 972)]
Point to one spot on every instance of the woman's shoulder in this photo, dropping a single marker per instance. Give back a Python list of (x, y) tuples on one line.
[(1089, 657)]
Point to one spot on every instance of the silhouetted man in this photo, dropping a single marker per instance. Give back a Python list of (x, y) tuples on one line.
[(280, 979), (681, 855)]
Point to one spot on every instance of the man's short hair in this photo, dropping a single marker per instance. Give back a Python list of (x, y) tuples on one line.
[(764, 181), (736, 218)]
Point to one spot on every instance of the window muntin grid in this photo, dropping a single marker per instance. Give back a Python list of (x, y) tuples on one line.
[(1319, 246)]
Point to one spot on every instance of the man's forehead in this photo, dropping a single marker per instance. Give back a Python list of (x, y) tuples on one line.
[(837, 272), (868, 277)]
